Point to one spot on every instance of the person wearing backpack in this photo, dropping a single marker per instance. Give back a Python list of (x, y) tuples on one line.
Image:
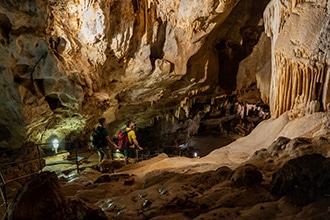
[(103, 149), (133, 144)]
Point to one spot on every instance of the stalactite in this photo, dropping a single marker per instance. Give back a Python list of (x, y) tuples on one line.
[(87, 3), (307, 80), (312, 85), (207, 108), (296, 2), (295, 86), (289, 90), (146, 17), (280, 89), (289, 86), (302, 79), (177, 112)]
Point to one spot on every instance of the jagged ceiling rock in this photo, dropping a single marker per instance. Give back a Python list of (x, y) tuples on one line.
[(66, 63)]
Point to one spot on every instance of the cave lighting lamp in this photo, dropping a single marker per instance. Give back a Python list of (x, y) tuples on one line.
[(55, 145)]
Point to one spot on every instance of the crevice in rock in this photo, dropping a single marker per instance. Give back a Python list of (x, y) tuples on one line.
[(5, 28), (5, 134), (53, 102), (230, 54), (156, 49), (135, 4)]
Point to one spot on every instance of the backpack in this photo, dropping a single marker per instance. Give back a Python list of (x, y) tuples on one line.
[(96, 138), (123, 139)]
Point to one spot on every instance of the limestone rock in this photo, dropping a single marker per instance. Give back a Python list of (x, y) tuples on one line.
[(41, 198), (256, 69), (81, 210), (303, 179), (298, 66), (247, 175), (278, 146), (64, 64)]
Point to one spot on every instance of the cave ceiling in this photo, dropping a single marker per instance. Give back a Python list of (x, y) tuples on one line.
[(64, 64)]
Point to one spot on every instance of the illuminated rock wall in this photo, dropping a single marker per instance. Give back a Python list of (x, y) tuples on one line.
[(299, 30), (66, 63)]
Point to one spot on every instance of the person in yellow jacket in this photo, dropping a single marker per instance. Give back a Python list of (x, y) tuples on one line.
[(130, 150)]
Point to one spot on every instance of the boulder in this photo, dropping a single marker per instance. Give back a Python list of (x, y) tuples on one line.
[(303, 179), (40, 198), (247, 175)]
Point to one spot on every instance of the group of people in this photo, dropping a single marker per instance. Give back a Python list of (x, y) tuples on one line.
[(105, 151)]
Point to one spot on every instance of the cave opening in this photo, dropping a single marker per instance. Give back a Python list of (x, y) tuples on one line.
[(231, 53)]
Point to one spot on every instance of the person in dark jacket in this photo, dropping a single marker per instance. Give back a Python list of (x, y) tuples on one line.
[(105, 152)]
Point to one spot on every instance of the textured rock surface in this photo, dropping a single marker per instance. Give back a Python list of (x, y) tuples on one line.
[(41, 198), (304, 178), (232, 182), (66, 63), (299, 30)]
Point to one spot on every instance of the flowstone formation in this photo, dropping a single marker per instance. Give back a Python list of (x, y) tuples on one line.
[(300, 58)]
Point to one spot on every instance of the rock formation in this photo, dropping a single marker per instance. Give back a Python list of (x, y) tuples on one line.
[(66, 63), (299, 30)]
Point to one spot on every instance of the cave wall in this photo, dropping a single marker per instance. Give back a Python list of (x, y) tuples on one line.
[(300, 55), (255, 71), (66, 63)]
